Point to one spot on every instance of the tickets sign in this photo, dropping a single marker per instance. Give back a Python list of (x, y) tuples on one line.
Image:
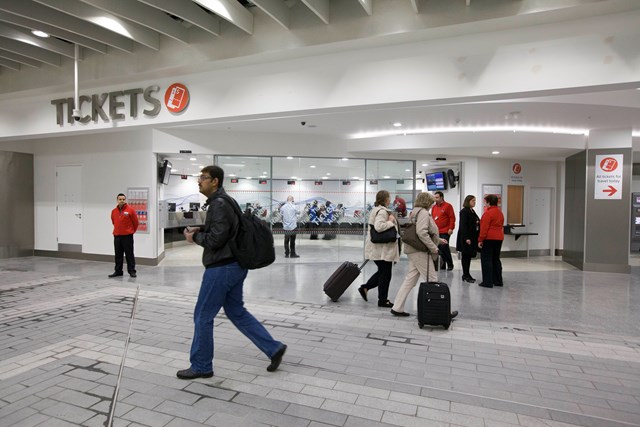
[(608, 182)]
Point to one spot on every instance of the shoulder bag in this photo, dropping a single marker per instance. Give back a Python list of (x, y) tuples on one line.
[(410, 236), (386, 236)]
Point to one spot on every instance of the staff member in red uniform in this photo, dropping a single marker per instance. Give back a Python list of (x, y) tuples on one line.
[(445, 218), (125, 224), (490, 241)]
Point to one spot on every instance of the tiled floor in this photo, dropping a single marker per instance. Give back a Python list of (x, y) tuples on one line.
[(554, 347)]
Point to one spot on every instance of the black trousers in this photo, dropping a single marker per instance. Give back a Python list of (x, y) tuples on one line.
[(445, 251), (466, 264), (123, 245), (490, 262), (289, 242), (381, 280)]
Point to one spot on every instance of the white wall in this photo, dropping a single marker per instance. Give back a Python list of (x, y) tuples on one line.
[(111, 162)]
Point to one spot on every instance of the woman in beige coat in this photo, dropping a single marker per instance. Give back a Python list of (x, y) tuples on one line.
[(383, 254), (420, 263)]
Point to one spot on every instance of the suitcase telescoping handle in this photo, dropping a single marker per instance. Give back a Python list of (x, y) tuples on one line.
[(363, 264)]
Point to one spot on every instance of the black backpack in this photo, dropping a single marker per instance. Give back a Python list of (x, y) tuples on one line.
[(252, 245)]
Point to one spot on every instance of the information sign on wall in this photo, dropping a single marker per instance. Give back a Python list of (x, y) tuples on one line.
[(608, 179), (138, 199)]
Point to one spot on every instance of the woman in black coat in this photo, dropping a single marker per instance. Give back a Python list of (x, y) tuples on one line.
[(467, 243)]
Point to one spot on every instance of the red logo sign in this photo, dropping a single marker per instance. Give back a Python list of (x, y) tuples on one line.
[(517, 168), (176, 98), (609, 164)]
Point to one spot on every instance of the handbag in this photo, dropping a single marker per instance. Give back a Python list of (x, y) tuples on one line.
[(410, 236), (386, 236)]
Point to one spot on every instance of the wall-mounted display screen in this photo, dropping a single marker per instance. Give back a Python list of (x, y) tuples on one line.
[(435, 181), (165, 172)]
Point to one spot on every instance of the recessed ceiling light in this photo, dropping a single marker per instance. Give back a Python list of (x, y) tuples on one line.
[(386, 177), (263, 176), (312, 166), (397, 124), (328, 173), (193, 159), (175, 170), (294, 177), (325, 177), (345, 159), (232, 174), (289, 158), (39, 33), (407, 170), (425, 164), (265, 173), (248, 177), (355, 177), (495, 152)]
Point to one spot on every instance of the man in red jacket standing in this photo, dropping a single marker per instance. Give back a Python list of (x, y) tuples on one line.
[(445, 218), (125, 224)]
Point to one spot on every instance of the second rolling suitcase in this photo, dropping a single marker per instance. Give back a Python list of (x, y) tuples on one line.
[(340, 280), (434, 303)]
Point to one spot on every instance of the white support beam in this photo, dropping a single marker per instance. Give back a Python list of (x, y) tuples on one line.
[(189, 11), (144, 15), (231, 11), (52, 44), (276, 9), (20, 59), (12, 65), (33, 52), (414, 5), (367, 5), (67, 22), (109, 22), (320, 7), (30, 24)]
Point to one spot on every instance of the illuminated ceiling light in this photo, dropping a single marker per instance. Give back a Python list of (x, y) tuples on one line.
[(345, 159), (495, 152), (397, 124), (355, 177), (294, 177), (40, 33), (232, 174), (248, 177), (263, 176), (407, 170), (111, 25), (325, 177), (425, 164), (299, 179), (328, 173), (460, 129), (386, 177), (175, 170), (289, 158), (193, 159), (265, 173), (312, 166)]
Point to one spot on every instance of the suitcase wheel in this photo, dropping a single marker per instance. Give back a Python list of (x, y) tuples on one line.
[(334, 300), (420, 325), (446, 326)]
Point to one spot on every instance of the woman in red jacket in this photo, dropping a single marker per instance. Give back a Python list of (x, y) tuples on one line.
[(490, 241)]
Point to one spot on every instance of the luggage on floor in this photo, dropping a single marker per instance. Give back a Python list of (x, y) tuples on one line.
[(434, 303), (340, 280)]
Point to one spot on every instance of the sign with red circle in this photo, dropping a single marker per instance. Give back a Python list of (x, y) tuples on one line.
[(176, 98), (608, 164), (517, 168)]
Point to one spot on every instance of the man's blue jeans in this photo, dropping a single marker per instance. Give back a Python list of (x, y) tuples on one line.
[(222, 287)]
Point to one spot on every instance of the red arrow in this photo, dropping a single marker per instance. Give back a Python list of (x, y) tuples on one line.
[(611, 190)]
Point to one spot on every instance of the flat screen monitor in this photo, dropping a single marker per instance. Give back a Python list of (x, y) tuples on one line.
[(171, 207), (165, 172), (436, 181), (194, 206)]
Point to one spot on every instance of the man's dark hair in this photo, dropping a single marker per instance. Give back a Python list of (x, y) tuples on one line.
[(120, 194), (491, 199), (214, 172), (439, 193)]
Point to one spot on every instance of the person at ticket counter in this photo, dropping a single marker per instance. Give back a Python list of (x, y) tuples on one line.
[(400, 206), (125, 224), (490, 242)]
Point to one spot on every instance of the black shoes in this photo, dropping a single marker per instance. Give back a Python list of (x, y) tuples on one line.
[(188, 374), (134, 275), (286, 255), (115, 275), (450, 268), (401, 314), (485, 285), (294, 256), (454, 314), (386, 303), (276, 359), (468, 279), (498, 284), (363, 292)]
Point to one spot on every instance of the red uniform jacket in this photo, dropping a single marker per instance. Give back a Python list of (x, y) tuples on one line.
[(492, 225), (125, 220), (444, 217)]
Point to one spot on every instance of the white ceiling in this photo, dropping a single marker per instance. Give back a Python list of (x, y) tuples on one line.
[(102, 27)]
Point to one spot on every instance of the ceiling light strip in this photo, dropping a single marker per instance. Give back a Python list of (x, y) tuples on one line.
[(458, 129)]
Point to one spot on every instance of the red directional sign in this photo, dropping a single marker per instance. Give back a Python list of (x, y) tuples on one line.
[(611, 190), (608, 176)]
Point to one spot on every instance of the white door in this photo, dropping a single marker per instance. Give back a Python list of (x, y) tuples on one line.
[(69, 205), (540, 218)]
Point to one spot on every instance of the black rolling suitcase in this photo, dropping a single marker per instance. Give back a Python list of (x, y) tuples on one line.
[(340, 280), (434, 304)]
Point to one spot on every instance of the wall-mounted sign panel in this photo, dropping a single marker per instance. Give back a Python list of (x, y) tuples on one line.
[(608, 181)]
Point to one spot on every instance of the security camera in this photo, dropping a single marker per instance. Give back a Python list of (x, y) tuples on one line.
[(77, 115), (303, 123)]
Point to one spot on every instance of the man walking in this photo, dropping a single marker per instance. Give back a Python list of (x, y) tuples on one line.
[(445, 218), (125, 224), (289, 224), (222, 283)]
